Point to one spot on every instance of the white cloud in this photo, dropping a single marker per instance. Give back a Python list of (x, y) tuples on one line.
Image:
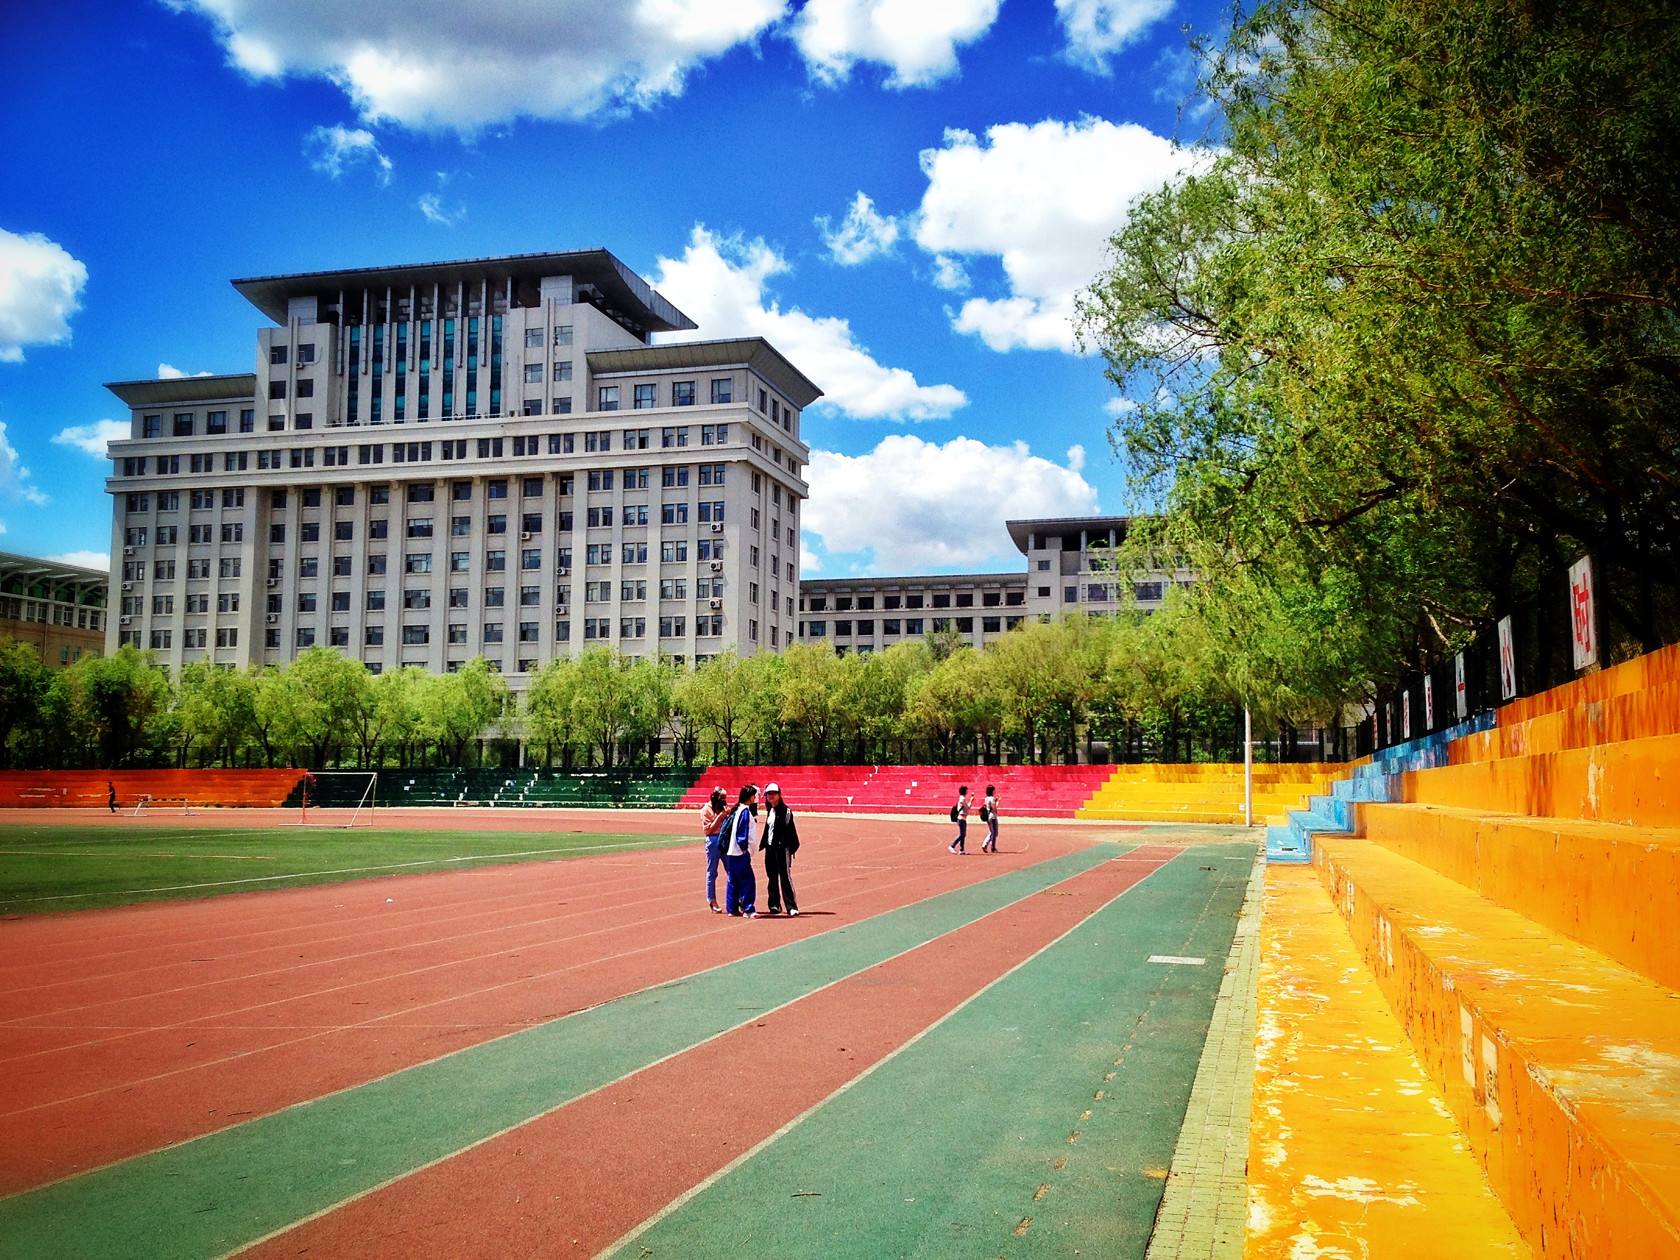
[(1044, 199), (722, 282), (40, 289), (440, 64), (916, 505), (334, 150), (862, 234), (169, 372), (16, 482), (916, 39), (87, 559), (1097, 29), (431, 205), (1118, 407), (809, 561), (91, 438), (949, 274)]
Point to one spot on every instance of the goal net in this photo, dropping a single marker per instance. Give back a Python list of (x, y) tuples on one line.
[(329, 793)]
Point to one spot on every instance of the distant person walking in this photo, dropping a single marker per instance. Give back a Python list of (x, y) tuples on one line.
[(988, 815), (740, 894), (712, 816), (111, 795), (780, 841), (959, 815)]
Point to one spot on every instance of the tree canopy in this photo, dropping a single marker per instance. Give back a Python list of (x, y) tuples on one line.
[(1404, 340)]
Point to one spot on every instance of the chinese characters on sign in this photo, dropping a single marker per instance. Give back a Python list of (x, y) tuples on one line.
[(1428, 702), (1582, 623), (1461, 702), (1507, 662), (1406, 715)]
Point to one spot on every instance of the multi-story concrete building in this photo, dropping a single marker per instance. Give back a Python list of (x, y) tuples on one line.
[(868, 614), (1069, 568), (59, 608), (443, 460)]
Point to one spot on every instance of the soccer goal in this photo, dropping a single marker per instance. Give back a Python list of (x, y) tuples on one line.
[(355, 790)]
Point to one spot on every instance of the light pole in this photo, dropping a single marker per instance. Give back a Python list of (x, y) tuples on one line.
[(1248, 769)]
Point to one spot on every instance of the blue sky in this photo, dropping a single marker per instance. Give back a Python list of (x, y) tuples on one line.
[(154, 151)]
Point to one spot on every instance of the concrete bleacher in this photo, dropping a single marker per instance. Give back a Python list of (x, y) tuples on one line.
[(1023, 791), (529, 787), (1515, 895), (57, 789), (1205, 793)]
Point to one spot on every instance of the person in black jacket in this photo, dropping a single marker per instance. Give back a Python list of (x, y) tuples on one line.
[(779, 841)]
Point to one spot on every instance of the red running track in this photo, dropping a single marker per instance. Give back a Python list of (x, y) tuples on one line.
[(660, 1135), (115, 1041)]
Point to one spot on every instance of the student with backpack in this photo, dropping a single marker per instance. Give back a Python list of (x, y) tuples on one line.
[(988, 815), (959, 815), (779, 841), (740, 894), (712, 816)]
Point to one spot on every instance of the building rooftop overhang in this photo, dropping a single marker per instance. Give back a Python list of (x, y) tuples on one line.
[(227, 387), (920, 579), (33, 568), (1065, 526), (629, 296), (752, 352)]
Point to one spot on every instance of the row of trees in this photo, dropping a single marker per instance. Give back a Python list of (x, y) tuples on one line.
[(1146, 686), (1407, 334)]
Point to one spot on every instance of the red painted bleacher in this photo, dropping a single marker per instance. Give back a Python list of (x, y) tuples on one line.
[(1023, 791), (49, 789)]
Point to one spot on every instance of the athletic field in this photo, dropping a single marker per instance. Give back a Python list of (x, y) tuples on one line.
[(493, 1052)]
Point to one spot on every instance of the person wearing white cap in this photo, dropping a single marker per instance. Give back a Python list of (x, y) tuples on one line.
[(780, 841)]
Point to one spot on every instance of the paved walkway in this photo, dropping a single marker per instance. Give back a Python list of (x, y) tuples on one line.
[(1203, 1209)]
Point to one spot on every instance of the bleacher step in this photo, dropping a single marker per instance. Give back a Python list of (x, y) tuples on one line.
[(1561, 1065), (1347, 1138)]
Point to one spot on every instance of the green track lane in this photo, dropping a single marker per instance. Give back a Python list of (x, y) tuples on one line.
[(950, 1149), (222, 1191)]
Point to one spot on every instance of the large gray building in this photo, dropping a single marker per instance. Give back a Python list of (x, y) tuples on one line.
[(1069, 569), (443, 460)]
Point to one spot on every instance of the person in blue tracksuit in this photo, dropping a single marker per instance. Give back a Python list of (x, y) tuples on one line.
[(740, 894)]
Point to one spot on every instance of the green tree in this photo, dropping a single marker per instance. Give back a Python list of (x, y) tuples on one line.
[(23, 689), (460, 709), (215, 710), (549, 719), (1406, 340), (713, 694), (808, 695)]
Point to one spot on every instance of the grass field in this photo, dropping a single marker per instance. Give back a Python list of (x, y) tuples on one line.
[(55, 868)]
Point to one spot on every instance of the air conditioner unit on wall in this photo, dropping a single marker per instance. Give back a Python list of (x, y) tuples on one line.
[(717, 527), (127, 620), (128, 551), (717, 566), (272, 619), (717, 603), (128, 586)]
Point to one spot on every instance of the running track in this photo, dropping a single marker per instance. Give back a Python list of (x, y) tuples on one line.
[(479, 1042)]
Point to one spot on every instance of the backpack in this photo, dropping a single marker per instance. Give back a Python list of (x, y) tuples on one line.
[(985, 814), (953, 813)]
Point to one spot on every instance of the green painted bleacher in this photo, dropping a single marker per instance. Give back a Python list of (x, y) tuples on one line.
[(535, 788)]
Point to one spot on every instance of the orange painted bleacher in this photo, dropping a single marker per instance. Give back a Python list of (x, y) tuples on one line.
[(51, 789), (1023, 791)]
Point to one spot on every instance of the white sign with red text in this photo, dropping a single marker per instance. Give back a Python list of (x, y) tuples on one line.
[(1461, 695), (1583, 625), (1507, 662)]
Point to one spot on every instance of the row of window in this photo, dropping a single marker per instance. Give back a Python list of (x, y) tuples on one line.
[(939, 599), (645, 396), (891, 626), (371, 453)]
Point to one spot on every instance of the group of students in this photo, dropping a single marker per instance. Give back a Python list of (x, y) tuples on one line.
[(729, 840), (988, 815)]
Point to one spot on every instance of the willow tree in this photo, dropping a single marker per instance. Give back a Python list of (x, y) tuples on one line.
[(1405, 337)]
